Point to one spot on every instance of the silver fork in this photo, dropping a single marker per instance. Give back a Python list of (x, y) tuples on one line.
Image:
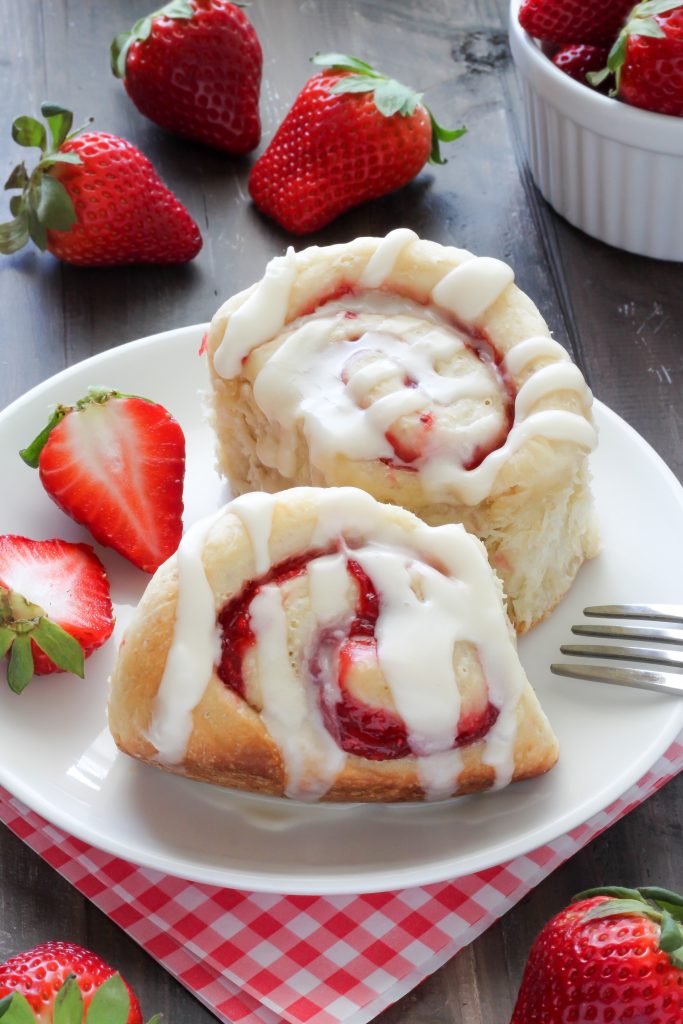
[(660, 682)]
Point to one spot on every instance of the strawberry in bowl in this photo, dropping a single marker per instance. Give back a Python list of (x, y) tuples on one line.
[(593, 157), (60, 981)]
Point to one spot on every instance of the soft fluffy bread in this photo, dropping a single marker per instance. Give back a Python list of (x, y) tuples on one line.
[(537, 524), (229, 744)]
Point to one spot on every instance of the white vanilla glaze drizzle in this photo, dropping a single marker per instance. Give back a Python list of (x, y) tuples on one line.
[(307, 382), (424, 612), (193, 651)]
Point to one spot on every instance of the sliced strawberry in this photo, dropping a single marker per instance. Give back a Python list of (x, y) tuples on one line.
[(60, 981), (116, 463), (67, 614)]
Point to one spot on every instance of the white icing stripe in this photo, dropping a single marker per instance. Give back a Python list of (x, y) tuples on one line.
[(417, 603), (383, 259), (329, 587), (259, 318), (525, 352), (438, 774), (556, 377), (469, 290), (193, 651), (312, 759), (255, 511)]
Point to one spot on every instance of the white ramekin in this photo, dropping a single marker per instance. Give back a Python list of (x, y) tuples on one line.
[(613, 170)]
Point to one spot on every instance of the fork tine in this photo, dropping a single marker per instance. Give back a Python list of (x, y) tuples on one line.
[(665, 636), (648, 654), (641, 679), (658, 612)]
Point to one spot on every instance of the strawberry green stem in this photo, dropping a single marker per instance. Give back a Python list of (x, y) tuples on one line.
[(43, 203), (391, 97), (21, 622)]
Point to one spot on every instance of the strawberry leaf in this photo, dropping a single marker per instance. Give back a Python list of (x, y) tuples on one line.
[(68, 1008), (36, 229), (16, 1009), (613, 908), (341, 62), (20, 668), (110, 1004), (441, 134), (662, 896), (155, 1019), (671, 934), (31, 454), (14, 233), (54, 209), (6, 640), (393, 98), (59, 122), (26, 131), (617, 891), (18, 178), (61, 158), (60, 646)]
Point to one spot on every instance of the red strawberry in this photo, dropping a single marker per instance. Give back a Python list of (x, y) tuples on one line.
[(577, 59), (613, 955), (647, 58), (67, 614), (93, 200), (116, 463), (194, 67), (65, 979), (564, 21), (351, 135)]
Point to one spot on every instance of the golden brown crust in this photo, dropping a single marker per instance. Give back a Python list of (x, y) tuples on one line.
[(230, 744)]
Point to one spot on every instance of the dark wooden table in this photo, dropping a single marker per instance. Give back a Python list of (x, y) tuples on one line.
[(619, 315)]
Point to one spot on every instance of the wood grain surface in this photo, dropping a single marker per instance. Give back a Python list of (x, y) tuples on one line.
[(619, 315)]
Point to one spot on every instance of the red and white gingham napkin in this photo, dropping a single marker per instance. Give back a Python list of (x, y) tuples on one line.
[(254, 957)]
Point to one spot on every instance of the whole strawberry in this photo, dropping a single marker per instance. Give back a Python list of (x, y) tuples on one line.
[(194, 67), (613, 955), (116, 463), (352, 135), (55, 608), (93, 199), (62, 981), (578, 59), (565, 21), (647, 58)]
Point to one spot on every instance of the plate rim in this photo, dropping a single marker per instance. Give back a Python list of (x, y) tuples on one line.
[(365, 880)]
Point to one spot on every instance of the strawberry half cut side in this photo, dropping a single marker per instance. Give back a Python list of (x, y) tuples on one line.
[(69, 612), (115, 463)]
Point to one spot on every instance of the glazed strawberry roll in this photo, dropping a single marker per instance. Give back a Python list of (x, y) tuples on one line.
[(421, 374), (319, 645)]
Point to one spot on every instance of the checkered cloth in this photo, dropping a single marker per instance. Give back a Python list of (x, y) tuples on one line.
[(253, 957)]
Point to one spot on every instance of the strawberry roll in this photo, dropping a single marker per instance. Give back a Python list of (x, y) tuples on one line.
[(421, 374), (319, 645)]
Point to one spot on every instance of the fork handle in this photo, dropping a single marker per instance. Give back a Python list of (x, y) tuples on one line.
[(640, 679)]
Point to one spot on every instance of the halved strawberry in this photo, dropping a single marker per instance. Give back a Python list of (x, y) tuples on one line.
[(67, 614), (116, 463)]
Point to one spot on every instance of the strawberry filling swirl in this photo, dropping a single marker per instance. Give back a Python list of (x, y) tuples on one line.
[(368, 730)]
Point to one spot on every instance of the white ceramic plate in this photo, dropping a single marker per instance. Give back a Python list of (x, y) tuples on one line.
[(57, 756)]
